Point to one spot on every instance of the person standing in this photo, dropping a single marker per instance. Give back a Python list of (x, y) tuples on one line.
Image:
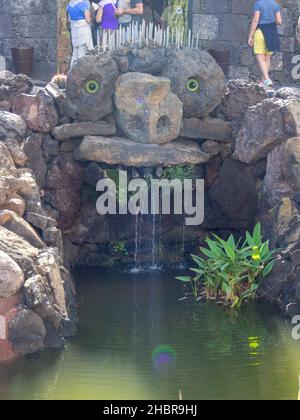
[(264, 37), (94, 26), (106, 15), (135, 10), (80, 19)]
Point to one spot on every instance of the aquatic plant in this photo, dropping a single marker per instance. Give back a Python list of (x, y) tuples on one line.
[(231, 271), (120, 248)]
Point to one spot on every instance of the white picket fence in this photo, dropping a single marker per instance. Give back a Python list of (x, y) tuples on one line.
[(145, 35)]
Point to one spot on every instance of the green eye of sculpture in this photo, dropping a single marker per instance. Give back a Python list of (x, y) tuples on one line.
[(92, 87), (193, 85)]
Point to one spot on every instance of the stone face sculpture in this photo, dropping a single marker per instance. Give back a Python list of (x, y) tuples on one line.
[(197, 80), (146, 110), (90, 88)]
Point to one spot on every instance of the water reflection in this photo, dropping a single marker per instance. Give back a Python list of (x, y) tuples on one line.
[(136, 340)]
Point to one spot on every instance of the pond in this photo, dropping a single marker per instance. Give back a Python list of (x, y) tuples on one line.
[(138, 340)]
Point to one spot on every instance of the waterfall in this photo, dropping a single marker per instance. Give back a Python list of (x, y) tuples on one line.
[(138, 241), (154, 262), (182, 248), (156, 236)]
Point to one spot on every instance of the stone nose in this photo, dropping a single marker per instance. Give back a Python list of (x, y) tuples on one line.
[(147, 111)]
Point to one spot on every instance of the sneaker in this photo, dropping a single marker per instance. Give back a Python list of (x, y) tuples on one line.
[(268, 83)]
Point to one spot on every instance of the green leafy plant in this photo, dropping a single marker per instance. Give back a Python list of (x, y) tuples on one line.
[(231, 271), (179, 172), (120, 248)]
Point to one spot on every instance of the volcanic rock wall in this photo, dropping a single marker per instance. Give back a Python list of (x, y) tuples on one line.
[(37, 306)]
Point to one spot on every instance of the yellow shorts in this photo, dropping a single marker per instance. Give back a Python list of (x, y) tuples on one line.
[(260, 46)]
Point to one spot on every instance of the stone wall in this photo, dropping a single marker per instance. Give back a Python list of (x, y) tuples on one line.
[(224, 24), (30, 23)]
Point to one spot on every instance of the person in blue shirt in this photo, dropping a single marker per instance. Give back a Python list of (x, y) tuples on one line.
[(80, 19), (264, 37)]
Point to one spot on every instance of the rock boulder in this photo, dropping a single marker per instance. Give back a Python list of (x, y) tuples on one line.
[(234, 195), (119, 151), (146, 110), (196, 79), (241, 95), (283, 172), (11, 85), (68, 131), (63, 188), (13, 122), (207, 128), (147, 60), (265, 126), (26, 332), (90, 88), (11, 276), (38, 110), (7, 167), (33, 149), (18, 225)]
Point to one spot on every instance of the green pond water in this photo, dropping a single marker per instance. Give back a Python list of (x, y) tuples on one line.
[(138, 340)]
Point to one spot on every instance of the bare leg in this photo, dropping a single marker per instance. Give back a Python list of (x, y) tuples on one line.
[(263, 65), (268, 61), (74, 56)]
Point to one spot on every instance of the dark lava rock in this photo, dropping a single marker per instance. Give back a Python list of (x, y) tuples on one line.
[(197, 80), (90, 88), (27, 332)]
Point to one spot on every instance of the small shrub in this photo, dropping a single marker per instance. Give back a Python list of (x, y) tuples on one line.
[(120, 248), (231, 271), (179, 172)]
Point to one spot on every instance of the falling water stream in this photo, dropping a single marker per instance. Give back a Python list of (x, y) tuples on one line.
[(154, 263), (138, 242), (182, 247)]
